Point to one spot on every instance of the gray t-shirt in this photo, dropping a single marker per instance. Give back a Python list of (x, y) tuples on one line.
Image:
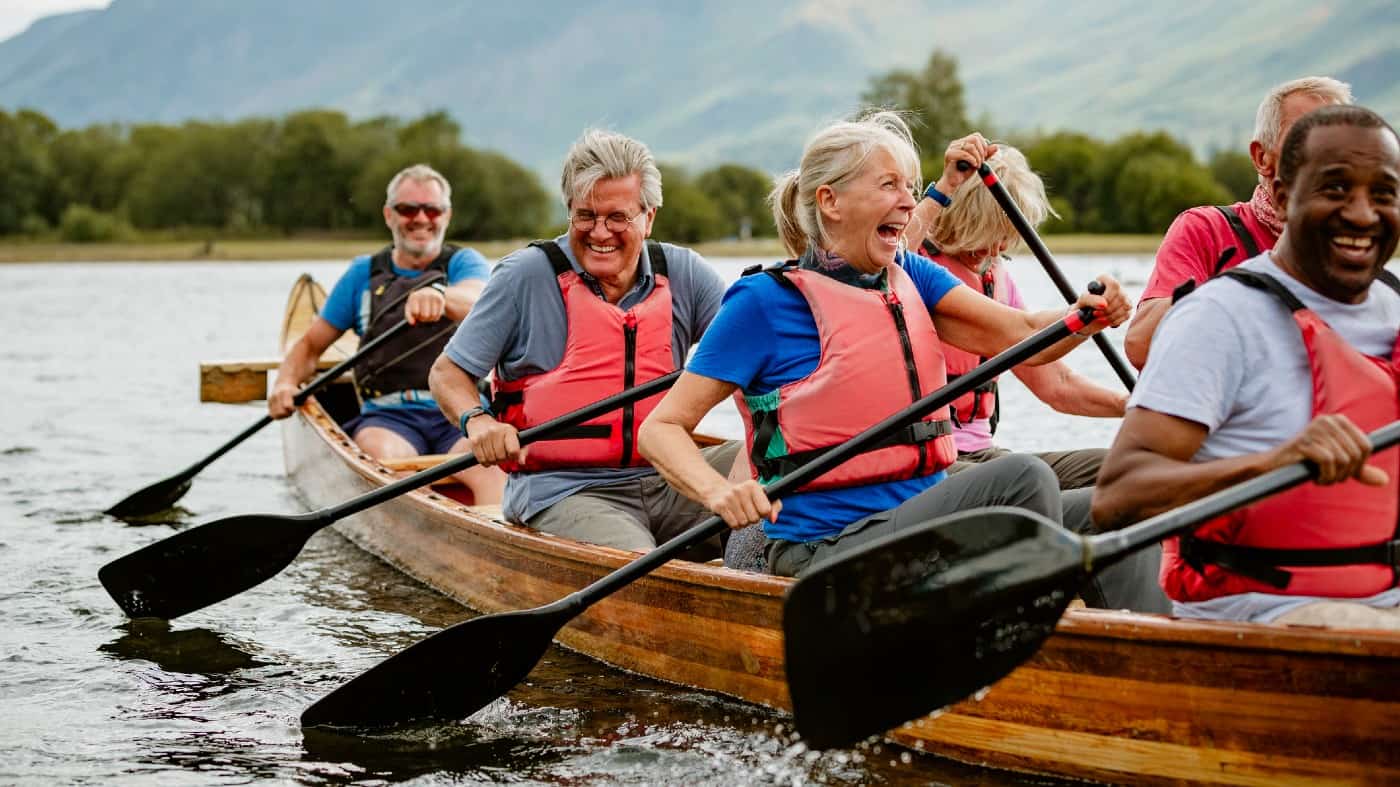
[(518, 327), (1231, 357)]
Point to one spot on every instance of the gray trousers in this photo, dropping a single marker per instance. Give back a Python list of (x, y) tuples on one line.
[(637, 514), (1019, 480), (1075, 469)]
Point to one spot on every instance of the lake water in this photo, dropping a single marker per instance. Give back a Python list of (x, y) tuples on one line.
[(99, 396)]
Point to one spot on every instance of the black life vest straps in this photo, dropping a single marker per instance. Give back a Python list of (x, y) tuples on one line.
[(766, 423), (1263, 281), (1251, 249), (1246, 240), (656, 253), (1262, 564)]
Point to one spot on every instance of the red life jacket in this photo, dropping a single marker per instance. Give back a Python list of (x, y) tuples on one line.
[(866, 336), (1337, 540), (1232, 240), (984, 401), (607, 351)]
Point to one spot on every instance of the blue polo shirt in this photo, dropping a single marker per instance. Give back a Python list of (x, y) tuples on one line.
[(764, 337)]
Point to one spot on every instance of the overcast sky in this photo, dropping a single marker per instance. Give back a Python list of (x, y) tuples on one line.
[(15, 15)]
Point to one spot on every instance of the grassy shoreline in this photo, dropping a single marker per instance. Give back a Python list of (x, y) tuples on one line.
[(298, 249)]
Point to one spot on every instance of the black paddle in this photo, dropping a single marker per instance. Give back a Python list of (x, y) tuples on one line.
[(207, 564), (922, 619), (459, 670), (163, 494), (1037, 247)]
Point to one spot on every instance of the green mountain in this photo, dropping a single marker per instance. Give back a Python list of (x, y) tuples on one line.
[(700, 82)]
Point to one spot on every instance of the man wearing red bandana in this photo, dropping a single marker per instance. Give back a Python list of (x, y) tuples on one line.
[(1204, 242)]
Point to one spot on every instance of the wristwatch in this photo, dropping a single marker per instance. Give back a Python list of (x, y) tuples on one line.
[(468, 415)]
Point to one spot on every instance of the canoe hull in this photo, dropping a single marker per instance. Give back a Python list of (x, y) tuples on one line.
[(1111, 697)]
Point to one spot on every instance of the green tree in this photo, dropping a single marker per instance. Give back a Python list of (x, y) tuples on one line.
[(687, 215), (1152, 189), (1235, 171), (1110, 188), (934, 95), (201, 175), (25, 170), (307, 179), (740, 194), (89, 169), (1067, 162)]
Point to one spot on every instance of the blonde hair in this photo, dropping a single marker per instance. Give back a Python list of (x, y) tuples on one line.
[(604, 155), (832, 157), (975, 222), (1269, 118)]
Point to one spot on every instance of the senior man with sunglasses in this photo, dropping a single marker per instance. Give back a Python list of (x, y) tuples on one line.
[(566, 322), (418, 279)]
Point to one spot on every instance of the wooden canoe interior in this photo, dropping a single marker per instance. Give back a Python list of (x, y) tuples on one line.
[(1112, 697)]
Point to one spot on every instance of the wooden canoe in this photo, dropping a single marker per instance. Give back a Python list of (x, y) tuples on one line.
[(1111, 697)]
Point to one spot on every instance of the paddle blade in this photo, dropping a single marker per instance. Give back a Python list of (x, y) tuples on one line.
[(922, 619), (449, 676), (152, 499), (206, 564)]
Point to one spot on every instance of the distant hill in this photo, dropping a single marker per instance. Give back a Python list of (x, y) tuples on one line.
[(700, 82)]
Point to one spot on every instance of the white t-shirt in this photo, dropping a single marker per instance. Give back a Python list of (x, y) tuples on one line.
[(1231, 357)]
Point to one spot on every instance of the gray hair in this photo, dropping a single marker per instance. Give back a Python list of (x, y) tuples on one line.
[(604, 155), (1269, 119), (420, 173), (835, 155)]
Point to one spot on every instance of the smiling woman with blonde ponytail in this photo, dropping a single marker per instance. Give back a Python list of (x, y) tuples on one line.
[(849, 331)]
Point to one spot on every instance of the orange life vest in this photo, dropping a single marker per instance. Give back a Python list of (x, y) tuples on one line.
[(607, 351), (867, 337), (1338, 540)]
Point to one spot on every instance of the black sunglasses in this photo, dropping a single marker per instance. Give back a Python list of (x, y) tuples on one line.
[(410, 209)]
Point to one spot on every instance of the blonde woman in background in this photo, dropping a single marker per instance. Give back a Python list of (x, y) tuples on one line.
[(968, 239)]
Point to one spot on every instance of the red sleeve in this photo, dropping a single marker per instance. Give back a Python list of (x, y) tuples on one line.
[(1186, 253)]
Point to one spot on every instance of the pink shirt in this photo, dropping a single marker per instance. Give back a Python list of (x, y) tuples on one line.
[(977, 435), (1195, 243)]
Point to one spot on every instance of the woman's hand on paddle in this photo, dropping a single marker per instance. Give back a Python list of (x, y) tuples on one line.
[(493, 442), (1338, 448), (425, 305), (1111, 309), (742, 504), (974, 149)]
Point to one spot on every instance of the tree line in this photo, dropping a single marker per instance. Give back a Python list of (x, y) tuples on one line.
[(311, 171), (319, 171), (1138, 182)]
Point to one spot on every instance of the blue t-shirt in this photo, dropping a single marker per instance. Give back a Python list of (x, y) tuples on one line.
[(764, 337), (347, 307)]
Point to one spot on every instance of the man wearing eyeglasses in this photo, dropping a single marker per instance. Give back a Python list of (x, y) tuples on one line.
[(566, 322), (416, 279)]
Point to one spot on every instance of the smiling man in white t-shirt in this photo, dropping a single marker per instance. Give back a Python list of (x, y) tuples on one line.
[(1293, 359)]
